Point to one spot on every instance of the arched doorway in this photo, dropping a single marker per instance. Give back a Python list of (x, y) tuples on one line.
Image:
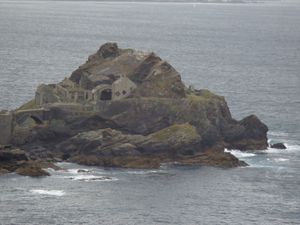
[(36, 120), (28, 120), (106, 95)]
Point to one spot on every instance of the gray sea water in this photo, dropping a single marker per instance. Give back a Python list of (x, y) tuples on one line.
[(249, 53)]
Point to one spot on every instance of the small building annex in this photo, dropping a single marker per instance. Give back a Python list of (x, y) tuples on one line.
[(69, 92)]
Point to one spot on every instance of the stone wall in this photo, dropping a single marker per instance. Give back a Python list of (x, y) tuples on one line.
[(122, 88), (6, 120)]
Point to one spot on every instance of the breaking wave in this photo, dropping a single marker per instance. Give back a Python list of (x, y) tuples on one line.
[(91, 178), (281, 160), (240, 154), (289, 148), (58, 193), (278, 134), (79, 171)]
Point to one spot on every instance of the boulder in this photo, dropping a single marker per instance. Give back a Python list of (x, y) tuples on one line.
[(248, 134), (278, 146), (31, 169), (108, 50), (12, 155), (16, 160), (212, 158)]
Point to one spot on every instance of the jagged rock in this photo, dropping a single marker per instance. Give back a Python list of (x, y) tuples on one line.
[(129, 108), (174, 140), (179, 142), (136, 162), (76, 76), (157, 78), (12, 155), (278, 146), (15, 160), (247, 134), (108, 50), (31, 169), (212, 158)]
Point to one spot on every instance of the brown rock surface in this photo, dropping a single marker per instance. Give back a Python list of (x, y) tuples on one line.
[(16, 160), (161, 120)]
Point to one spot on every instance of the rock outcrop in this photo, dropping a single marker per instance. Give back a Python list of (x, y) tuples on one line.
[(16, 160), (128, 108), (278, 146)]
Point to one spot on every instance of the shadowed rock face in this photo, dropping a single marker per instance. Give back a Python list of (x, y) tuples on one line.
[(108, 50), (174, 140), (153, 76), (157, 78), (15, 160), (247, 134), (160, 121)]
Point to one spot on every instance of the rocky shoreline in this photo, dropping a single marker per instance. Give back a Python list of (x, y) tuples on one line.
[(130, 109), (15, 160)]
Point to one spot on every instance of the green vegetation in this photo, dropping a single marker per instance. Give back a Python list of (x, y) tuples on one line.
[(177, 131), (203, 96)]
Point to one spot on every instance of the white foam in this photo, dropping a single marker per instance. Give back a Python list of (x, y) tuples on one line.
[(240, 154), (50, 170), (278, 134), (253, 165), (48, 192), (62, 164), (281, 160), (289, 148), (141, 172), (292, 147), (78, 171), (91, 178)]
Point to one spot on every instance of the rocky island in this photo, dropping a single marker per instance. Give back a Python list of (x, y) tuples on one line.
[(124, 108)]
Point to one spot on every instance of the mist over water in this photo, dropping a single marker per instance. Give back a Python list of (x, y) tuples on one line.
[(249, 53)]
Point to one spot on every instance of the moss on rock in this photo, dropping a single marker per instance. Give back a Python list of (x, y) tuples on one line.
[(179, 132)]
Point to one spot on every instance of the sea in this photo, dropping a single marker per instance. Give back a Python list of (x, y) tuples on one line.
[(247, 51)]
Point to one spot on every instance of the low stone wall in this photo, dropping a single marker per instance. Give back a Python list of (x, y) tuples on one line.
[(6, 127), (101, 105)]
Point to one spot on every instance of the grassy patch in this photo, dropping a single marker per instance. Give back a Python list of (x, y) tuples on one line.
[(176, 130), (29, 105)]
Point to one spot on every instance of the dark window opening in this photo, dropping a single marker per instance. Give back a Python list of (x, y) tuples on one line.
[(124, 92), (106, 95), (36, 120)]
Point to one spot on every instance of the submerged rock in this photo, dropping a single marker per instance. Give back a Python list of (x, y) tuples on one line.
[(213, 158), (32, 169), (130, 109), (278, 146)]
